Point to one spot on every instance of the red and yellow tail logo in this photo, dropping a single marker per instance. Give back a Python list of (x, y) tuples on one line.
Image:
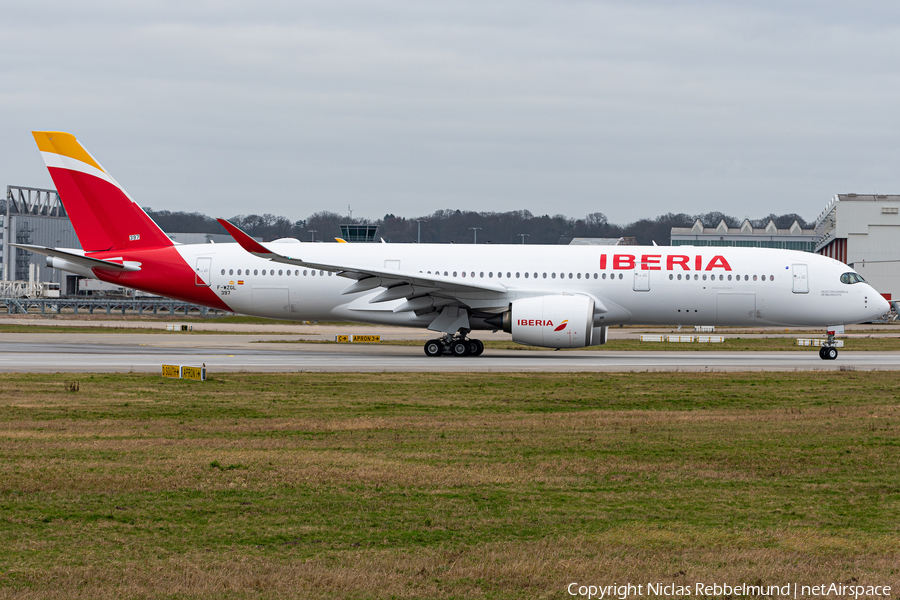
[(562, 325)]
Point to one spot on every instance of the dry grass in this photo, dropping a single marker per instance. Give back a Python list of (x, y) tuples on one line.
[(443, 486)]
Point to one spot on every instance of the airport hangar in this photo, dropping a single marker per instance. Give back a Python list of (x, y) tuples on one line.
[(861, 230)]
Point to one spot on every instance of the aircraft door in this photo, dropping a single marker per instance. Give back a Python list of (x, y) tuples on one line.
[(801, 283), (201, 273), (642, 281)]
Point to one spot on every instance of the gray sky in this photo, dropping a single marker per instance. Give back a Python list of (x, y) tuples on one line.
[(630, 108)]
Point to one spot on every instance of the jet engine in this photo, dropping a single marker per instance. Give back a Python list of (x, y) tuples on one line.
[(551, 322)]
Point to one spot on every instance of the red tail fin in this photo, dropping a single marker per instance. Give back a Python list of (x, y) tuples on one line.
[(103, 215)]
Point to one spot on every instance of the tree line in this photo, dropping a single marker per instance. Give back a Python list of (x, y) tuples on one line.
[(461, 227)]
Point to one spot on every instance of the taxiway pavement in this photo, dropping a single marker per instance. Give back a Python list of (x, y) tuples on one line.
[(73, 352)]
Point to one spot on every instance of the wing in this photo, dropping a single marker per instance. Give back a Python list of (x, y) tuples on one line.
[(79, 259), (414, 286)]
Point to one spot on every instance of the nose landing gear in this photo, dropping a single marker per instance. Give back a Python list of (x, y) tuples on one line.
[(828, 351), (459, 345)]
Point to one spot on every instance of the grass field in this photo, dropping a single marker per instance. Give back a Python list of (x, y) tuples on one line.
[(444, 485)]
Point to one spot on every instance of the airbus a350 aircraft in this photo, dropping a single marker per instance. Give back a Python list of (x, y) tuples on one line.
[(550, 296)]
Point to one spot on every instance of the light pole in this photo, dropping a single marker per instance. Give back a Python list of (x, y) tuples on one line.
[(312, 234), (419, 235), (523, 236), (475, 231)]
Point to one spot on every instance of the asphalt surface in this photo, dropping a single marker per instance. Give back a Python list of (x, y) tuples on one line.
[(75, 352)]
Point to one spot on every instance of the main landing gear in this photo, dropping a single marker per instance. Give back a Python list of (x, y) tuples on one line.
[(828, 351), (454, 346)]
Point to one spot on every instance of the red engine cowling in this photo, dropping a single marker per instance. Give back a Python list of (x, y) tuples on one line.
[(550, 321)]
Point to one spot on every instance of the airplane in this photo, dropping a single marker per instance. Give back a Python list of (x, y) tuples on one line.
[(543, 295)]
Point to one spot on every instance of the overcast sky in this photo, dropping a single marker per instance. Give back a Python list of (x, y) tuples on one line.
[(632, 109)]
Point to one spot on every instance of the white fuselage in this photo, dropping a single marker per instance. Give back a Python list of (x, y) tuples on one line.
[(681, 285)]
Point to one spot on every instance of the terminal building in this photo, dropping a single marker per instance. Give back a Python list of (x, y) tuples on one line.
[(747, 236), (863, 231)]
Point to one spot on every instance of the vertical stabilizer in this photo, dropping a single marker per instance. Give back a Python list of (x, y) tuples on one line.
[(103, 214)]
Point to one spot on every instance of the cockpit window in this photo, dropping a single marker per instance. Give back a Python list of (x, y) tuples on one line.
[(850, 278)]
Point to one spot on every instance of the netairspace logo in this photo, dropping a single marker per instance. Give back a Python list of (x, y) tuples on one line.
[(791, 590)]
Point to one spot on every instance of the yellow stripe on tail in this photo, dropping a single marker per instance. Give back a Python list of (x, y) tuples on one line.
[(64, 144)]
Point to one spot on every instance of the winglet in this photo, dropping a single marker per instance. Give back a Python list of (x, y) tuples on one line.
[(246, 242)]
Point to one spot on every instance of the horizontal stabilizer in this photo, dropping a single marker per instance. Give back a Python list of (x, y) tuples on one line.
[(79, 259)]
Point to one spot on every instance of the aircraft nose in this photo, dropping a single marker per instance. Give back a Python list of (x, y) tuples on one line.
[(879, 305)]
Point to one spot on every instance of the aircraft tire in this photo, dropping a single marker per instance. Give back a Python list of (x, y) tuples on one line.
[(822, 353), (433, 348), (830, 353), (476, 347), (459, 348)]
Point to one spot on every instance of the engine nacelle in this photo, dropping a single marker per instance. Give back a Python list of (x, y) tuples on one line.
[(550, 321)]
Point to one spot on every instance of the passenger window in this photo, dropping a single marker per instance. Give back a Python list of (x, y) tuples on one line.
[(545, 276), (552, 275), (223, 271), (696, 277), (704, 278), (526, 275), (604, 276), (671, 277), (517, 275), (621, 276), (508, 275), (491, 274), (231, 271), (279, 272), (754, 278), (579, 276), (312, 273), (679, 277), (729, 278)]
